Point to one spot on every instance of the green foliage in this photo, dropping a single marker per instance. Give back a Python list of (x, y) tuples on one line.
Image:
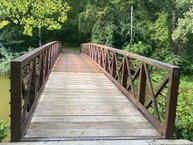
[(33, 14), (159, 32), (139, 48), (5, 58), (166, 55), (87, 19), (3, 23), (3, 128), (98, 35), (185, 26), (11, 37), (101, 20), (184, 114), (188, 67), (97, 21)]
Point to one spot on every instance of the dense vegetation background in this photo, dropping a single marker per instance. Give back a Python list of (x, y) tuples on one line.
[(161, 29)]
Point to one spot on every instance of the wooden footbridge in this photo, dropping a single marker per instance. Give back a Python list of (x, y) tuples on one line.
[(99, 93)]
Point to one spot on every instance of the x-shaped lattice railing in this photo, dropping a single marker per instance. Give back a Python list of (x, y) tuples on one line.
[(151, 85)]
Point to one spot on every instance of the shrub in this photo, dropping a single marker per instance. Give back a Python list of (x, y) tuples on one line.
[(3, 128), (5, 58), (184, 114), (139, 48)]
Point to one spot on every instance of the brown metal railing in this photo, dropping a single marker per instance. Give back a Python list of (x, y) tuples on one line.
[(151, 85), (29, 73)]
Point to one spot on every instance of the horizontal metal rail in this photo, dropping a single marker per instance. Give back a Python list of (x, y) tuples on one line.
[(29, 73), (151, 85)]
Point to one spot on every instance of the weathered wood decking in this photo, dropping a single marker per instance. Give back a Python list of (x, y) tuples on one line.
[(79, 101)]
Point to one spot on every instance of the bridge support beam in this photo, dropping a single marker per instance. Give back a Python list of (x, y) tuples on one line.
[(16, 93), (172, 102)]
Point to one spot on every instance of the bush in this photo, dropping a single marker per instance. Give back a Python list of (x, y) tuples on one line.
[(5, 58), (184, 114), (3, 128), (139, 48)]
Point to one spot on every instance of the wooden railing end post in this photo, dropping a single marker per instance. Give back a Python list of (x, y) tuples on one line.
[(16, 93), (172, 102)]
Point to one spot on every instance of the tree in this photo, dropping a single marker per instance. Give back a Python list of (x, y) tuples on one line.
[(33, 14), (101, 20), (185, 26)]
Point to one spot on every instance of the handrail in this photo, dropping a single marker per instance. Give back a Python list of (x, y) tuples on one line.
[(29, 73), (151, 85)]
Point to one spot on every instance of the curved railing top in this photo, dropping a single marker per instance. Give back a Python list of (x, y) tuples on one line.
[(136, 56), (34, 53)]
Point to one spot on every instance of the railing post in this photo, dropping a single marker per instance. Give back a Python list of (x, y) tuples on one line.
[(32, 89), (60, 48), (142, 85), (172, 102), (84, 48), (113, 71), (16, 93), (106, 61), (42, 70), (101, 59), (125, 73)]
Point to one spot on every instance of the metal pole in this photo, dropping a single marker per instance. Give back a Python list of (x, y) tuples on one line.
[(40, 37), (131, 39)]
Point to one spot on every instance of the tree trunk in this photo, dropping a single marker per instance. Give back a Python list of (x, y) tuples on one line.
[(131, 39), (173, 20), (177, 46), (40, 37), (173, 28)]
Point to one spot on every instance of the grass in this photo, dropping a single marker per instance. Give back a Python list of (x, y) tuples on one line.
[(71, 49), (184, 114)]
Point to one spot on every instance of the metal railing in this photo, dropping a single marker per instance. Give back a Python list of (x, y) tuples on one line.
[(151, 85), (29, 73)]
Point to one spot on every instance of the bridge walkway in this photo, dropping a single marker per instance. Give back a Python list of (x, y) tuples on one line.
[(80, 102)]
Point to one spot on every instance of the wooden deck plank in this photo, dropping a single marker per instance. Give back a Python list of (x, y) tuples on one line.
[(83, 101), (87, 112), (91, 125), (52, 133), (80, 101), (78, 118), (69, 62)]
